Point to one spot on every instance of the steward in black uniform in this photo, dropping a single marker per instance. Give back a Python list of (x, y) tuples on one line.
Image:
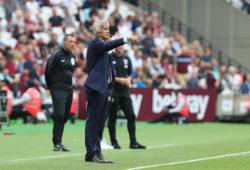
[(121, 97), (58, 74)]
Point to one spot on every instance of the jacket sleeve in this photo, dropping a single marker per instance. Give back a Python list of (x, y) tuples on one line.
[(101, 46), (130, 68), (51, 62)]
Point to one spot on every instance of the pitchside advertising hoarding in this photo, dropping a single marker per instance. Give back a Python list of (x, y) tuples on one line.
[(148, 103)]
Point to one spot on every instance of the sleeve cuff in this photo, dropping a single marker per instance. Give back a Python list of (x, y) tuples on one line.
[(125, 40)]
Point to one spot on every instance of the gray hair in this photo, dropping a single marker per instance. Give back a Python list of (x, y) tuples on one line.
[(98, 25)]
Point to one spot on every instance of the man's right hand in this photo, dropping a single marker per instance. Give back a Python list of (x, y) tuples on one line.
[(134, 39)]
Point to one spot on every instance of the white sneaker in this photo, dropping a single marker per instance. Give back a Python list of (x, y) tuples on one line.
[(105, 146)]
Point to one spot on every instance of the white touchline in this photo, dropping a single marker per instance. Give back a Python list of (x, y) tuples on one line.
[(62, 156), (188, 161), (154, 146), (44, 157)]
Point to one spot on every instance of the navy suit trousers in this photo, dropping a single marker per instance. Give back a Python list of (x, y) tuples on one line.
[(96, 107)]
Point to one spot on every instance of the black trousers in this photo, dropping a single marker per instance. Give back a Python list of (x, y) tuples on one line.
[(19, 111), (168, 116), (121, 98), (62, 100)]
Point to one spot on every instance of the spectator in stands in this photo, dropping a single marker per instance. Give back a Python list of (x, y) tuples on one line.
[(139, 78), (211, 77), (53, 41), (10, 64), (207, 58), (176, 43), (140, 29), (136, 21), (181, 67), (78, 17), (44, 51), (169, 53), (137, 59), (9, 7), (55, 20), (196, 46), (123, 29), (68, 19), (116, 15), (24, 77), (147, 42), (128, 22), (113, 27), (89, 22), (166, 66), (29, 62), (245, 87), (224, 81), (30, 25), (2, 62), (214, 65), (175, 109), (159, 82), (194, 66), (18, 21), (155, 68), (21, 4), (33, 7), (193, 82), (155, 25), (234, 79), (83, 34), (79, 78)]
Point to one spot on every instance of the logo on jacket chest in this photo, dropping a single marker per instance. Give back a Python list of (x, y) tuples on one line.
[(73, 61), (125, 62)]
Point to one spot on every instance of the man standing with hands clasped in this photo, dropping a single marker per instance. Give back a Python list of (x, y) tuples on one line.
[(58, 74), (121, 97), (100, 75)]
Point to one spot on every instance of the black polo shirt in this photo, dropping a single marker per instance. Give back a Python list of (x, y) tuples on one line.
[(123, 67)]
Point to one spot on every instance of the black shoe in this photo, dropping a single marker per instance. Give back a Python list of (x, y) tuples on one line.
[(60, 147), (97, 159), (57, 147), (136, 146), (116, 145), (103, 159)]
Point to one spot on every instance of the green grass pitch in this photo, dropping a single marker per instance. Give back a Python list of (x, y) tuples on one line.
[(30, 148)]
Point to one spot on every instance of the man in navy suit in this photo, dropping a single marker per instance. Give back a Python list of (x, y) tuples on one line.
[(100, 74)]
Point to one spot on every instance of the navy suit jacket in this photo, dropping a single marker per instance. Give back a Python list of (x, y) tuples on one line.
[(99, 63)]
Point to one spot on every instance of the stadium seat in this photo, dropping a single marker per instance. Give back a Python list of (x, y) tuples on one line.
[(70, 30), (2, 12)]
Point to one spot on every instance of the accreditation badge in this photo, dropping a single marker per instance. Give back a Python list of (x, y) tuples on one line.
[(73, 61)]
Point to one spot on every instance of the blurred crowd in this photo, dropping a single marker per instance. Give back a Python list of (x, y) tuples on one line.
[(30, 30), (244, 5)]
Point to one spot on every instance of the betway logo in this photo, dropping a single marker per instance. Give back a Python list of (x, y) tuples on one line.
[(197, 103), (136, 100)]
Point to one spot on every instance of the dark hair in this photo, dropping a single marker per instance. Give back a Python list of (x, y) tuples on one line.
[(68, 35)]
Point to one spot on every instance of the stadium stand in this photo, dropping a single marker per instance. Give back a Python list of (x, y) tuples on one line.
[(28, 37)]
